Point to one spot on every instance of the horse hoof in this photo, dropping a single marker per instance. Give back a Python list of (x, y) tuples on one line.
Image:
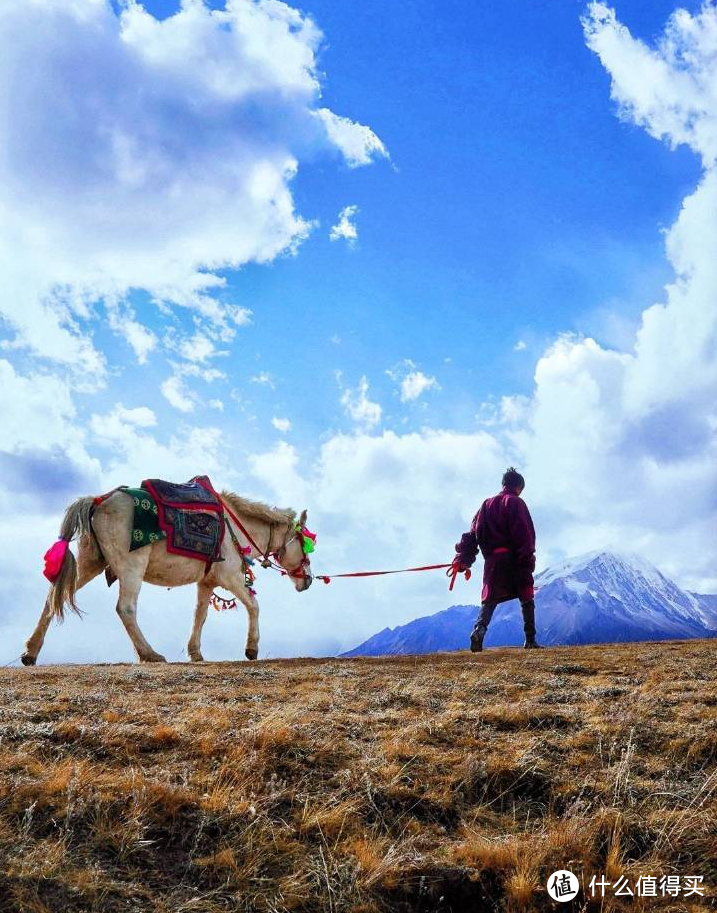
[(251, 654), (153, 658), (196, 657), (28, 660)]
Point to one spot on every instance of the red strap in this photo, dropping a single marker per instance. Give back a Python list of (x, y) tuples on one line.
[(327, 578), (239, 524)]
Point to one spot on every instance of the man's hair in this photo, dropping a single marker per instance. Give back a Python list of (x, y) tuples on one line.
[(512, 478)]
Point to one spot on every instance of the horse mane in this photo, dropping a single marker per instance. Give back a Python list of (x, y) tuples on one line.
[(257, 510)]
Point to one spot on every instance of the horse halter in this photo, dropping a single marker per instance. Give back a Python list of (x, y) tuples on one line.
[(299, 571)]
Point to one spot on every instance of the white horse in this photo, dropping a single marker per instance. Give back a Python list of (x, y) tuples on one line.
[(103, 533)]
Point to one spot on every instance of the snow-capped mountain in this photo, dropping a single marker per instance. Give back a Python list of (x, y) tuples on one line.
[(598, 597)]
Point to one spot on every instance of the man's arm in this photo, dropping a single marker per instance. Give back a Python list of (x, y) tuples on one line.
[(467, 548)]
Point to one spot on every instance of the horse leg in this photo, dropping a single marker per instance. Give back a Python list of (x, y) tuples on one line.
[(235, 584), (130, 584), (194, 647), (88, 567)]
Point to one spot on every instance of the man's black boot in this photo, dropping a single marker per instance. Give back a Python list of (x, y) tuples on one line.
[(477, 636), (529, 626)]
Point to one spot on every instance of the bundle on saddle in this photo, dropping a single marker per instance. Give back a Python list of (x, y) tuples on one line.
[(190, 516)]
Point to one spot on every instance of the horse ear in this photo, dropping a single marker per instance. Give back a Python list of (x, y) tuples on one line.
[(302, 518)]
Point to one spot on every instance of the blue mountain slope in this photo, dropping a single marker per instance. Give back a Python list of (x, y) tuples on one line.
[(595, 598)]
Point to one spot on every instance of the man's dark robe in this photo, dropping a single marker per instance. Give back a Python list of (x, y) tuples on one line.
[(503, 531)]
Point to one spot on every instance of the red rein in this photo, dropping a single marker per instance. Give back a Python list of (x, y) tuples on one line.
[(406, 570), (299, 571)]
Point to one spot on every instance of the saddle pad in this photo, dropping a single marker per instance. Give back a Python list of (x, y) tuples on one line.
[(198, 493), (145, 523), (191, 515)]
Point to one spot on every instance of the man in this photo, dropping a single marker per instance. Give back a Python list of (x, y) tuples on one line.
[(503, 530)]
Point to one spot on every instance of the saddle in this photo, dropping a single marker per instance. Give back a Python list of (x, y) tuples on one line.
[(191, 515)]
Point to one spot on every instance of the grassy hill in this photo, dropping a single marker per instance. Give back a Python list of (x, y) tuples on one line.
[(443, 783)]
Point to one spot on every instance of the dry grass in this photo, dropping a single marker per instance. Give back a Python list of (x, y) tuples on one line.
[(444, 783)]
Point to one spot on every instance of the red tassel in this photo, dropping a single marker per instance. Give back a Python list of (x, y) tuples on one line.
[(54, 558)]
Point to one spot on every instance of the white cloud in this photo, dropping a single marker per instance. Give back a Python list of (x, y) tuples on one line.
[(176, 393), (380, 502), (141, 178), (359, 144), (623, 444), (34, 412), (413, 383), (359, 407), (670, 89), (345, 227), (264, 379), (520, 346), (198, 348), (122, 320), (121, 421), (195, 370), (43, 454), (281, 424), (216, 404)]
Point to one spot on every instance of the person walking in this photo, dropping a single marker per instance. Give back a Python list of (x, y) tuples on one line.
[(503, 531)]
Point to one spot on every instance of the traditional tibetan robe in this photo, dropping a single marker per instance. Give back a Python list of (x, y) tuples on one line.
[(503, 531)]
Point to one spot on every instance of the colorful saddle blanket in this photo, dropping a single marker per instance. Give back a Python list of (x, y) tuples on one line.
[(189, 516)]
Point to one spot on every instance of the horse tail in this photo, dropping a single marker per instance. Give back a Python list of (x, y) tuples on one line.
[(76, 522)]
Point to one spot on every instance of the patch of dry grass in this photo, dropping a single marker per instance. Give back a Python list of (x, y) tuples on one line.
[(443, 783)]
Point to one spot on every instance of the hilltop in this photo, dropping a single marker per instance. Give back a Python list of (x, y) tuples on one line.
[(434, 783)]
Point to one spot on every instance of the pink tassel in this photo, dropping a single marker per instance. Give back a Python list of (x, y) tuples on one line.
[(54, 558)]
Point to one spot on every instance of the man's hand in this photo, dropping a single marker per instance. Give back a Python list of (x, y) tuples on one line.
[(457, 567)]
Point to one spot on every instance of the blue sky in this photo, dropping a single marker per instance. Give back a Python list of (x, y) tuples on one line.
[(515, 206), (532, 280)]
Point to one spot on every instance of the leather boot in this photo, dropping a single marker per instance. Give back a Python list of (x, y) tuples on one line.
[(477, 636), (529, 625)]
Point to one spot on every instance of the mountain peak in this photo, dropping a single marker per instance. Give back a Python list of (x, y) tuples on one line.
[(604, 561)]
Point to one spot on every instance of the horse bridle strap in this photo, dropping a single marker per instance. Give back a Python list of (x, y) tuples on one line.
[(265, 554)]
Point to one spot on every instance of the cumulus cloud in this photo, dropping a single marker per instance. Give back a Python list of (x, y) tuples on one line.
[(520, 346), (109, 425), (381, 501), (359, 407), (281, 424), (358, 143), (175, 391), (345, 228), (148, 154), (413, 383), (669, 89), (198, 348)]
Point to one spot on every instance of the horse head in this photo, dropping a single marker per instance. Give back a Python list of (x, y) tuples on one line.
[(293, 555)]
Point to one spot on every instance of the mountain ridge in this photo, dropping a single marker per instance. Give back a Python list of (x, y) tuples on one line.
[(597, 597)]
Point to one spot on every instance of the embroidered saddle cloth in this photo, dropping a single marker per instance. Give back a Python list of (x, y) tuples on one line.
[(189, 516)]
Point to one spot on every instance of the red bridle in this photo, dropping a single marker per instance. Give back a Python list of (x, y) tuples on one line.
[(297, 572)]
